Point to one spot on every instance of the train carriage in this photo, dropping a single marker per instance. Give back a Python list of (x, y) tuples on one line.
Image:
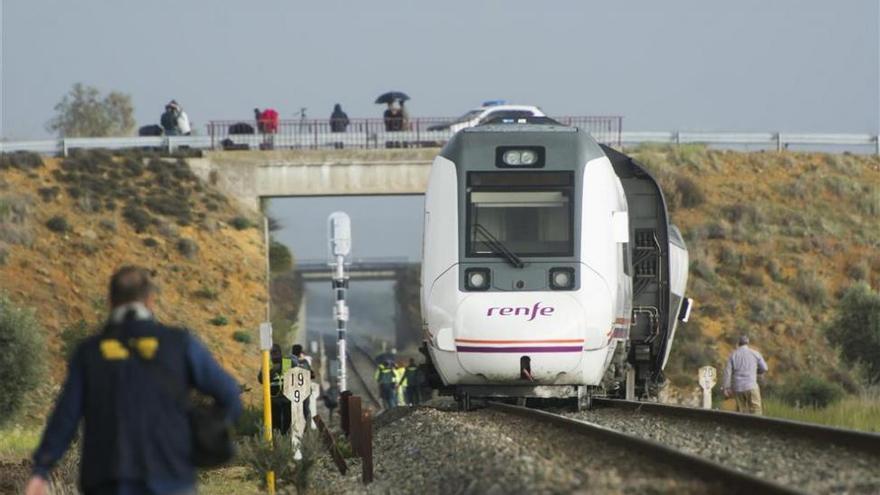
[(549, 267)]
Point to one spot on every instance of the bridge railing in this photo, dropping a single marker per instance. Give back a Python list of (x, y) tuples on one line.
[(368, 133), (607, 134)]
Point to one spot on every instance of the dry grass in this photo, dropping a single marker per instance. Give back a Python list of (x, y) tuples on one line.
[(774, 240), (18, 442), (64, 276), (859, 413)]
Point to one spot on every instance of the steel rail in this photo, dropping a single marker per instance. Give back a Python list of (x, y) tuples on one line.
[(700, 467), (363, 381), (866, 441)]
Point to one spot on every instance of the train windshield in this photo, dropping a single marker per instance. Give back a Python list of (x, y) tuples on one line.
[(529, 221)]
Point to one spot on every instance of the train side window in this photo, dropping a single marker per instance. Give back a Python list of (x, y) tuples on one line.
[(627, 269)]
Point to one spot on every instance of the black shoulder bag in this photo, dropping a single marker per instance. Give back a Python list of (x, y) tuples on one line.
[(212, 443)]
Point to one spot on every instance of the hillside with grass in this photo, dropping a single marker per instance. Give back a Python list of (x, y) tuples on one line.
[(67, 224), (775, 240)]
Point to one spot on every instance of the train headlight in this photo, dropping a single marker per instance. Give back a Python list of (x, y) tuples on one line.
[(512, 157), (561, 278), (519, 156), (476, 278), (528, 157)]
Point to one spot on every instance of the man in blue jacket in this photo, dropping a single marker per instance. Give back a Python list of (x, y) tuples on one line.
[(136, 435)]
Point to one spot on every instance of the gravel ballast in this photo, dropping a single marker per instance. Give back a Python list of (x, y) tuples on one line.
[(801, 463), (489, 452)]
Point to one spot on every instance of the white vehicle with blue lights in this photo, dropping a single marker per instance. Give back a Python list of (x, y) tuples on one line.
[(549, 267), (490, 111)]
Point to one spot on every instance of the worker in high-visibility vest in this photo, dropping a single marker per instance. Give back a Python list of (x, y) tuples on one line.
[(412, 394), (280, 404), (384, 376), (400, 378)]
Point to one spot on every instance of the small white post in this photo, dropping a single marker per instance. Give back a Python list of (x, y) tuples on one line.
[(631, 383), (707, 381)]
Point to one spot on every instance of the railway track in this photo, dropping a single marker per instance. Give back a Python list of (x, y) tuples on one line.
[(718, 478), (360, 363), (813, 458)]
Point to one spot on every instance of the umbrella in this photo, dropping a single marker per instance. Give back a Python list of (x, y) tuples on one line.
[(390, 96)]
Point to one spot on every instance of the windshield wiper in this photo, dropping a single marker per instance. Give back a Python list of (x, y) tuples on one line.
[(498, 247)]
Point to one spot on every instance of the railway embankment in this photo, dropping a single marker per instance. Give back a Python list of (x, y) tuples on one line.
[(66, 224)]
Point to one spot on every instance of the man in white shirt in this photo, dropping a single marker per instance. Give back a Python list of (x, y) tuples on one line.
[(741, 377)]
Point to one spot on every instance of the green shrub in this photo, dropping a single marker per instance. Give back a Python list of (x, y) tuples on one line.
[(810, 289), (260, 456), (690, 193), (858, 271), (72, 335), (250, 421), (137, 218), (703, 269), (187, 247), (741, 213), (242, 336), (22, 160), (219, 321), (855, 328), (753, 278), (241, 223), (170, 205), (280, 259), (48, 194), (21, 358), (150, 242), (108, 225), (810, 391), (206, 292), (58, 224), (775, 271)]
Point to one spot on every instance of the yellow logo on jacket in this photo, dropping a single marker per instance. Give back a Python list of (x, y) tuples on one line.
[(113, 350)]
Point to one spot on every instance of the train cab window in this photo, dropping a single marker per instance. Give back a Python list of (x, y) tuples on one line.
[(527, 220)]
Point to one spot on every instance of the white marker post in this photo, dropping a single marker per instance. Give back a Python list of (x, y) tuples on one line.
[(297, 388), (707, 381), (339, 234)]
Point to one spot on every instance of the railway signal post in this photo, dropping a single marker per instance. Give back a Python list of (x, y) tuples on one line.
[(339, 233)]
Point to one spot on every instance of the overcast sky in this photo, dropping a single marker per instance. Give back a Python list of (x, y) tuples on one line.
[(750, 65)]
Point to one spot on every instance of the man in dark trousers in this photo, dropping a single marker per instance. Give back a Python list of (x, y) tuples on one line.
[(412, 377), (384, 376), (136, 436)]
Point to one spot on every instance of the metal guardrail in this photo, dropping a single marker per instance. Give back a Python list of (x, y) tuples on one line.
[(370, 133), (772, 140)]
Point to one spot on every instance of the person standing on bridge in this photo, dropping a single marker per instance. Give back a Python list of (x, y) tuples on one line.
[(741, 377), (338, 119), (137, 437), (384, 376), (168, 120)]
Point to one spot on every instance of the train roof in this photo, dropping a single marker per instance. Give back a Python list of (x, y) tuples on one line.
[(564, 144)]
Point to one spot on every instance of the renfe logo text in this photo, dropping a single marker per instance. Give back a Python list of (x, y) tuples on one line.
[(531, 313)]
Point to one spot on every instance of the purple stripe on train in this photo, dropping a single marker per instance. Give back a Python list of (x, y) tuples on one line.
[(568, 348)]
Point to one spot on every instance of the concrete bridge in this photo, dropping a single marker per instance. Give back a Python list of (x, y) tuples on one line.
[(250, 176)]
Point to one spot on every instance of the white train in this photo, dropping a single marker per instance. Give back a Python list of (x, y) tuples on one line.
[(549, 267)]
